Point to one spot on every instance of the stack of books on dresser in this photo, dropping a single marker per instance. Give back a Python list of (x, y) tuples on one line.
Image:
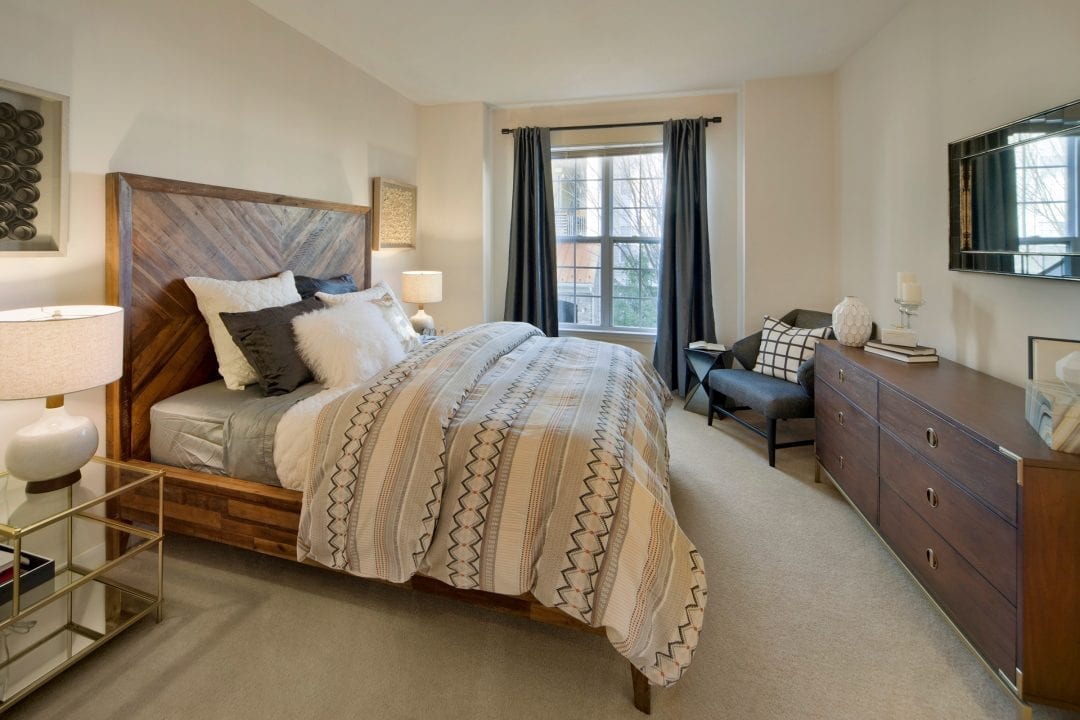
[(903, 353)]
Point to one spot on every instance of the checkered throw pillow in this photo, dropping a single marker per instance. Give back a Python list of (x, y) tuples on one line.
[(784, 348)]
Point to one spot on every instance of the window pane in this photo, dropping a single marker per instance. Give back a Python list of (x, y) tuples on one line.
[(624, 222), (652, 165), (648, 313), (588, 310), (626, 313), (626, 254), (651, 222), (588, 254), (625, 193), (650, 256), (624, 283), (652, 193), (650, 283), (587, 281), (625, 166)]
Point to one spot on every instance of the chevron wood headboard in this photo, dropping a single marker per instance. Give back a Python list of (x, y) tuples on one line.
[(160, 231)]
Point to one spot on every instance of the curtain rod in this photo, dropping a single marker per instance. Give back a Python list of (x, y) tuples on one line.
[(708, 121)]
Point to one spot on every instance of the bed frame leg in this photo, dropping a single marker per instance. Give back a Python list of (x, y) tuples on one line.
[(642, 691)]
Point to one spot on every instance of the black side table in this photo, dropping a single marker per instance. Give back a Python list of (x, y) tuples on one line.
[(699, 363)]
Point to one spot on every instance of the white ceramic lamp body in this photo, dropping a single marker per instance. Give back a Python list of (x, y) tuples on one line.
[(421, 286), (852, 323), (48, 352), (56, 445)]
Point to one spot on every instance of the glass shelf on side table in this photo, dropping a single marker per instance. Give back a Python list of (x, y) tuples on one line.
[(93, 571)]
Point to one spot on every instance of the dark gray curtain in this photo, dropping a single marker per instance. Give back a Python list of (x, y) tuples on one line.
[(684, 307), (993, 207), (531, 290)]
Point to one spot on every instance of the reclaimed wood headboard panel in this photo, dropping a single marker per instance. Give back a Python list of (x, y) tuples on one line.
[(160, 231)]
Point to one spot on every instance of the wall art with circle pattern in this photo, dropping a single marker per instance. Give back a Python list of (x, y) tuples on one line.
[(33, 170)]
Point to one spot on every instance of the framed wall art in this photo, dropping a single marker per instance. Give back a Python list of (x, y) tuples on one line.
[(393, 216), (33, 170)]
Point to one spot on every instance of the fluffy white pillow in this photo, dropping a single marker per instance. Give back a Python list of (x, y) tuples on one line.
[(218, 296), (381, 296), (346, 344)]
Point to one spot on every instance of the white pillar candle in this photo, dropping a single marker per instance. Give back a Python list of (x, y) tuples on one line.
[(911, 292), (903, 278)]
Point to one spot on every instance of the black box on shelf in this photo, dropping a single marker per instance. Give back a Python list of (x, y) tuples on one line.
[(35, 582)]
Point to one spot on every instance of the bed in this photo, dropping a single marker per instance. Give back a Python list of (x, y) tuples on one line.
[(160, 231)]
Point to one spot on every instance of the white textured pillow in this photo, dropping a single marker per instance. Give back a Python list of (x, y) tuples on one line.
[(784, 348), (384, 299), (346, 344), (217, 296)]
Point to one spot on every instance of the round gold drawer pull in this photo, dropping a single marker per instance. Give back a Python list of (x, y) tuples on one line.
[(931, 558), (932, 497), (841, 374), (931, 437), (841, 461), (840, 416)]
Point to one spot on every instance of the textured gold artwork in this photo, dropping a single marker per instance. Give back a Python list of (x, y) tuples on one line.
[(394, 217)]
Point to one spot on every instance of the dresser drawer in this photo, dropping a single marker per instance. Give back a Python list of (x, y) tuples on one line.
[(855, 477), (836, 416), (983, 613), (979, 468), (980, 536), (852, 381)]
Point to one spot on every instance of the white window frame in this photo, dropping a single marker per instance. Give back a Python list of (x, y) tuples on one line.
[(606, 240)]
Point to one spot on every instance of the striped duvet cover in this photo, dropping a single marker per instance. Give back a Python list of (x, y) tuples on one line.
[(502, 460)]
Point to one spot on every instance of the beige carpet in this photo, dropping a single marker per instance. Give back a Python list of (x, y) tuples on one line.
[(808, 617)]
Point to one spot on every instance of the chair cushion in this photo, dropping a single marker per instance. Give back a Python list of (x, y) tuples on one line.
[(773, 397)]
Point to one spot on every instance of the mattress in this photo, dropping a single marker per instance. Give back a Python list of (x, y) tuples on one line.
[(219, 431)]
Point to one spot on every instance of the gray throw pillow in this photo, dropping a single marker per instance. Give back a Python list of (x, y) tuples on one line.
[(308, 286), (265, 337)]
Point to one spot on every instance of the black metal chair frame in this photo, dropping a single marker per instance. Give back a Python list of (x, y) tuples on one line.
[(769, 433)]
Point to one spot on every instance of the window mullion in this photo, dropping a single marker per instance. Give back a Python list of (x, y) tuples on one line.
[(607, 254)]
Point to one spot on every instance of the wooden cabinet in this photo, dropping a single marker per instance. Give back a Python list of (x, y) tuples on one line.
[(941, 463)]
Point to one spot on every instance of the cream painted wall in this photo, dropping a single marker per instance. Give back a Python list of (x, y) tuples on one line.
[(721, 177), (790, 214), (208, 90), (451, 208), (936, 73)]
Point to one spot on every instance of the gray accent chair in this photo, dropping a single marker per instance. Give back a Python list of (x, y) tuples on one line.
[(775, 398)]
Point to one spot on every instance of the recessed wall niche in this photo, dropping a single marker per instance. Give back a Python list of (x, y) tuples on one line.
[(33, 170)]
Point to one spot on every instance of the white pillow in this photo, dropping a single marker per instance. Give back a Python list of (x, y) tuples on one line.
[(383, 298), (784, 348), (217, 296), (346, 344)]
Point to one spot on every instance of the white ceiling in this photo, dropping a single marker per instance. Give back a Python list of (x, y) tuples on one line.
[(512, 51)]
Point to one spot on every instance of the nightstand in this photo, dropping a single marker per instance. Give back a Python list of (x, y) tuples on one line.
[(699, 363), (87, 573)]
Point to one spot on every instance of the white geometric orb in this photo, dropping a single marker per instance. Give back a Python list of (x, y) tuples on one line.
[(851, 322), (1068, 371)]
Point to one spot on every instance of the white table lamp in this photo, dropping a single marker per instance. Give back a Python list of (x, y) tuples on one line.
[(421, 286), (49, 352)]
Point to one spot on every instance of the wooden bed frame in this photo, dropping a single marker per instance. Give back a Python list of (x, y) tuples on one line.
[(157, 233)]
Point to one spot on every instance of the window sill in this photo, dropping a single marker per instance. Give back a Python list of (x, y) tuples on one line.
[(615, 336)]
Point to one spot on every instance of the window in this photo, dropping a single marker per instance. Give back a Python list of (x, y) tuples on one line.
[(607, 224), (1048, 200)]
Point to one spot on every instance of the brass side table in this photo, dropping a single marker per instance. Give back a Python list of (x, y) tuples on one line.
[(88, 573)]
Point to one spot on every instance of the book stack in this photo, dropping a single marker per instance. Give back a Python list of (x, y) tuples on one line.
[(903, 353), (712, 347)]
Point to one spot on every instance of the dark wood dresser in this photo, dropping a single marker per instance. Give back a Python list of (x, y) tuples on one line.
[(940, 461)]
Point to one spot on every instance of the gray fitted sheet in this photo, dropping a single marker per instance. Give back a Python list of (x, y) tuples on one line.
[(215, 430)]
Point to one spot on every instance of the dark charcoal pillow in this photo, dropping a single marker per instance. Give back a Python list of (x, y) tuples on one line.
[(308, 286), (265, 337)]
